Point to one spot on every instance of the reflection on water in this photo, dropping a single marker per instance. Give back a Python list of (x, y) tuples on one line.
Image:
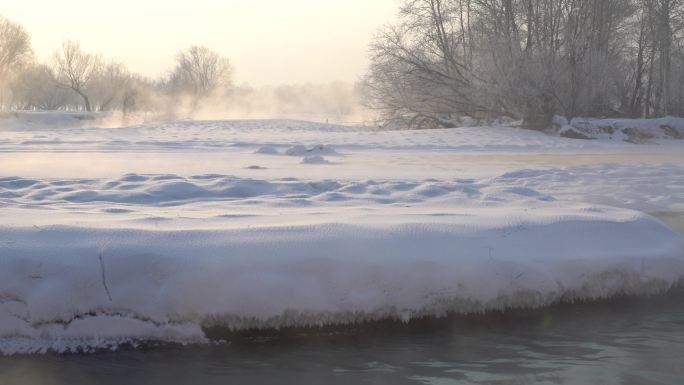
[(623, 341)]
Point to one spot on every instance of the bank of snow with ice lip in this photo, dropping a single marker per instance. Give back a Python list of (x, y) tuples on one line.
[(69, 287)]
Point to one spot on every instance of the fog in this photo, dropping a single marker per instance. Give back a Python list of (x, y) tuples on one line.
[(396, 64), (270, 42), (302, 60)]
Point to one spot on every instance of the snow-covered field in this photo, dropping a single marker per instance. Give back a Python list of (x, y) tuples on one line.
[(156, 231)]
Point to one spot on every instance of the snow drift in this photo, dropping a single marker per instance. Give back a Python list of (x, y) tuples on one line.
[(627, 130), (65, 288)]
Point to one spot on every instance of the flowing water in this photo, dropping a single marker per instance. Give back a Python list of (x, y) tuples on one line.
[(626, 341), (620, 341)]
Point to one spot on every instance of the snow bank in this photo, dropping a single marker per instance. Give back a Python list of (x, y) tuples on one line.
[(53, 120), (267, 150), (314, 159), (627, 130), (86, 269), (317, 150), (64, 132), (650, 188)]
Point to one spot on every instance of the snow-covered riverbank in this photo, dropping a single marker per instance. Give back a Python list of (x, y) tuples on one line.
[(111, 257)]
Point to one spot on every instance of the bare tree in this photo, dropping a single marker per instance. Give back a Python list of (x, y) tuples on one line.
[(75, 69), (15, 50), (198, 73), (15, 46), (528, 59), (108, 86), (421, 73), (139, 94), (34, 88)]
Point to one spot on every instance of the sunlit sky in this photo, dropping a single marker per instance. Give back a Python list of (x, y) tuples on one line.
[(268, 41)]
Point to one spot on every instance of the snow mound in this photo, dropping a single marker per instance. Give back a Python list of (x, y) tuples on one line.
[(649, 188), (627, 130), (317, 150), (53, 120), (637, 187), (172, 190), (267, 150), (314, 159)]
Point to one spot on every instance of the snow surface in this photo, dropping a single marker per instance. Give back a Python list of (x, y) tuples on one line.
[(63, 132), (107, 257), (626, 130)]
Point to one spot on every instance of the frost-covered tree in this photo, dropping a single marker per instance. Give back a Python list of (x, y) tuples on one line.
[(528, 59), (108, 85), (140, 94), (421, 71), (199, 72), (15, 51), (34, 88), (15, 46), (75, 69)]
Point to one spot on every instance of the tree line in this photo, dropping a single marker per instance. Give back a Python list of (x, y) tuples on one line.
[(200, 84), (78, 80), (528, 60)]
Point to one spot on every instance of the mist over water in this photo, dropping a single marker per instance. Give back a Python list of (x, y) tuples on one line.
[(334, 103)]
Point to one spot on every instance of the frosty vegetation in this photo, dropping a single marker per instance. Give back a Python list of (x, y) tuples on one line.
[(200, 85), (528, 60), (442, 61)]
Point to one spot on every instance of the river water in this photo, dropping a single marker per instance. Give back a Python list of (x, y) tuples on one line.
[(624, 341), (621, 341)]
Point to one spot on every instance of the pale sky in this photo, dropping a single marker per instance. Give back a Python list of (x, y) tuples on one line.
[(268, 41)]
